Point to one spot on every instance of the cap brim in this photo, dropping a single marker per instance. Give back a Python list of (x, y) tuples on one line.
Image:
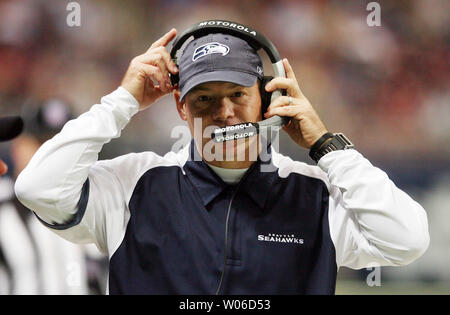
[(236, 77)]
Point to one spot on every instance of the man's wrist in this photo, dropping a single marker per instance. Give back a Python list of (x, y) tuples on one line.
[(319, 143), (327, 143)]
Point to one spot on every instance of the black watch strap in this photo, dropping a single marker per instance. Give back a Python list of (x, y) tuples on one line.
[(316, 146), (338, 142)]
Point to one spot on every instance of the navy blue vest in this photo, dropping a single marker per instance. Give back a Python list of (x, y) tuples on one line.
[(278, 239)]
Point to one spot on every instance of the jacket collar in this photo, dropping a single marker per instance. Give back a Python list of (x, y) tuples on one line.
[(256, 182)]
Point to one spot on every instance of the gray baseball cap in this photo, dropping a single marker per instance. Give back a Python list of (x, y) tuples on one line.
[(218, 57)]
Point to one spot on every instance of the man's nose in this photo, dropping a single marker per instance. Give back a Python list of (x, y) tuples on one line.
[(224, 109)]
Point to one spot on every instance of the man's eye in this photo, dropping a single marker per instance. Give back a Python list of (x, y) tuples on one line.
[(203, 98), (237, 94)]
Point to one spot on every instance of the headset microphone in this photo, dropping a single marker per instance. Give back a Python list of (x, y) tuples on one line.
[(246, 130), (10, 127), (257, 41)]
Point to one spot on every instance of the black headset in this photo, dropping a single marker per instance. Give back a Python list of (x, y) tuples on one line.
[(257, 41)]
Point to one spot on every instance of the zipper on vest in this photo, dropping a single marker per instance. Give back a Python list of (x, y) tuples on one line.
[(226, 238)]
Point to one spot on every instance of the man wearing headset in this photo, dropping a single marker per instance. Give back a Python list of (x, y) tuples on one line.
[(175, 224)]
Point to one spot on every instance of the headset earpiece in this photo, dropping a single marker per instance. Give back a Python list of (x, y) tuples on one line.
[(174, 79), (265, 96)]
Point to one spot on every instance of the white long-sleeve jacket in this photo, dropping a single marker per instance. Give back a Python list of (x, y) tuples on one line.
[(367, 219)]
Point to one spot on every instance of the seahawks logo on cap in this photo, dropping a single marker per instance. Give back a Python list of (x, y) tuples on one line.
[(210, 48)]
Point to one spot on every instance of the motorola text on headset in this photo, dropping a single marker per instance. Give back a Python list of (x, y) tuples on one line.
[(257, 41)]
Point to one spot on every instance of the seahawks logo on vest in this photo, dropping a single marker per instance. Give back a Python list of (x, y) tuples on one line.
[(210, 48)]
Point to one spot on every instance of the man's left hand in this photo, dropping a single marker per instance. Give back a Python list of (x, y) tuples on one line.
[(305, 126)]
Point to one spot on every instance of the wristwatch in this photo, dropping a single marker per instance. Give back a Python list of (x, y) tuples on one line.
[(324, 145)]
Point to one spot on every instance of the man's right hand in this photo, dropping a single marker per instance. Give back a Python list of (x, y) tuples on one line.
[(147, 77)]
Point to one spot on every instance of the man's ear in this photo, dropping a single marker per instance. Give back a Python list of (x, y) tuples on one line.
[(181, 105)]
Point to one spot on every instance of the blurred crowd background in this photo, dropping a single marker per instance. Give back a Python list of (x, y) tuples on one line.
[(386, 87)]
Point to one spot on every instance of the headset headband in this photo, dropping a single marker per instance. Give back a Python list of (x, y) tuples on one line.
[(255, 39)]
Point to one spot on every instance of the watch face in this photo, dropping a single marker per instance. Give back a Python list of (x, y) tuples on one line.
[(343, 139)]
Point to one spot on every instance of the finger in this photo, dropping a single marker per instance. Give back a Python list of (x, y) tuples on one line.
[(290, 73), (165, 39), (171, 66), (168, 60), (150, 86), (284, 83), (279, 101), (155, 74), (285, 111), (158, 61)]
